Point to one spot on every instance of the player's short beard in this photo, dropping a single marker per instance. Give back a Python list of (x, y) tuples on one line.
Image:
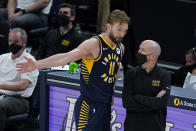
[(113, 38)]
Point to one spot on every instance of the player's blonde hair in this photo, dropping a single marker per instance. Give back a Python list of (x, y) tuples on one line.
[(118, 16)]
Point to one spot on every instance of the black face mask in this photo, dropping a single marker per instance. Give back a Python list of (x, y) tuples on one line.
[(141, 58), (189, 68), (15, 48), (63, 20)]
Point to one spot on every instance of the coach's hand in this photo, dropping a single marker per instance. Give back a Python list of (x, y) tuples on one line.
[(161, 93)]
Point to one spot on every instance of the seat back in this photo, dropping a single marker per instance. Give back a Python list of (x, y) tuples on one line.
[(4, 28), (4, 3)]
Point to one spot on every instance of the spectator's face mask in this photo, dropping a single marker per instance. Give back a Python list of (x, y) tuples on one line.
[(141, 58), (189, 68), (63, 20), (15, 48)]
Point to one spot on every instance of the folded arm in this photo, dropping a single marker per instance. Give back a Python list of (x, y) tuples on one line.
[(15, 86), (158, 102), (141, 103), (128, 96)]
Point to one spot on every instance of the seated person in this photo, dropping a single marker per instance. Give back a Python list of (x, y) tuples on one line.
[(178, 77), (15, 88), (190, 81), (27, 14), (62, 39)]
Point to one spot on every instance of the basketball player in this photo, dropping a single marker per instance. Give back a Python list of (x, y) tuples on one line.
[(101, 56)]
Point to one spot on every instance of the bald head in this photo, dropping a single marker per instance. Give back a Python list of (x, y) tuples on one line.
[(151, 46)]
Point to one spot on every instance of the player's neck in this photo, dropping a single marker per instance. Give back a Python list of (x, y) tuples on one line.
[(106, 36)]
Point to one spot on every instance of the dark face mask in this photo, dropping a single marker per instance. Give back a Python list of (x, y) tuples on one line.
[(141, 58), (189, 68), (63, 20), (15, 48)]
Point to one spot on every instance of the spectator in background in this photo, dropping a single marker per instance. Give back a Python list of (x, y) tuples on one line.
[(190, 81), (178, 77), (64, 38), (27, 14), (146, 91), (15, 88)]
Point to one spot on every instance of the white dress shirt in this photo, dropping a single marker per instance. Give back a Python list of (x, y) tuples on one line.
[(23, 4), (8, 73), (190, 81)]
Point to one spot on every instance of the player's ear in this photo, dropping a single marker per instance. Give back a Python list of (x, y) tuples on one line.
[(108, 26)]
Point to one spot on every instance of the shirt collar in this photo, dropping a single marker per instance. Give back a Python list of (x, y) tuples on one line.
[(18, 58), (152, 71)]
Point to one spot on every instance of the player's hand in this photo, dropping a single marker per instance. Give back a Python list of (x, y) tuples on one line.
[(27, 66), (161, 93)]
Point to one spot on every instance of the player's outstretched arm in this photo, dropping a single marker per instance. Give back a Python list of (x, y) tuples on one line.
[(84, 50)]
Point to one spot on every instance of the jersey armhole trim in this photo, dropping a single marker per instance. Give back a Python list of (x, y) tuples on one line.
[(100, 47), (121, 50)]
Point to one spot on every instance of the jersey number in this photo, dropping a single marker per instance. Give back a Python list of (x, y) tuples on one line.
[(112, 66)]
